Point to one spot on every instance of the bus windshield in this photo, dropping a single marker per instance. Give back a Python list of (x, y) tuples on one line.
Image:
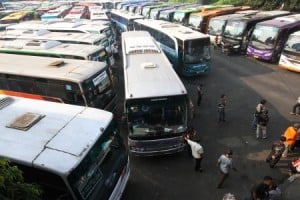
[(195, 21), (164, 16), (196, 50), (178, 17), (216, 26), (264, 37), (163, 117), (234, 30), (293, 45), (93, 176), (98, 90), (145, 11), (153, 14)]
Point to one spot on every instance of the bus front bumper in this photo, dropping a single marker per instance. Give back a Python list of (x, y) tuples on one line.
[(156, 147)]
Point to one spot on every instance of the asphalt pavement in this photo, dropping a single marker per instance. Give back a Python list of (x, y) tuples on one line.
[(244, 81)]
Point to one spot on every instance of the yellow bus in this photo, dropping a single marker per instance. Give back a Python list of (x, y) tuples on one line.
[(17, 17)]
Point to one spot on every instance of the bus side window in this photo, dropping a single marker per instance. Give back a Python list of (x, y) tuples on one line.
[(3, 81)]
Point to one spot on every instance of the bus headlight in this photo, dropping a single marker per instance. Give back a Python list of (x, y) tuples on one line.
[(236, 46)]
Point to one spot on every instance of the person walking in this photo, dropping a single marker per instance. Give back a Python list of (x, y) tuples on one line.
[(262, 121), (192, 135), (291, 136), (295, 107), (221, 108), (200, 94), (277, 149), (225, 165), (259, 108), (197, 152)]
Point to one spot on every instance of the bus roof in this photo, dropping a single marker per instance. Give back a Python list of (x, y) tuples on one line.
[(175, 30), (235, 15), (16, 15), (220, 10), (199, 8), (52, 68), (127, 15), (55, 132), (57, 11), (48, 46), (147, 71), (48, 35), (261, 15), (77, 25), (281, 22)]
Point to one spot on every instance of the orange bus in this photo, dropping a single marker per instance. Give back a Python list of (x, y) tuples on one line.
[(199, 21)]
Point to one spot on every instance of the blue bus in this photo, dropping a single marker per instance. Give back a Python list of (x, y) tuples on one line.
[(187, 50)]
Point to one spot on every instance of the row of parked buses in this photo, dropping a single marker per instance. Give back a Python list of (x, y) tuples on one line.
[(55, 10), (260, 34), (57, 96)]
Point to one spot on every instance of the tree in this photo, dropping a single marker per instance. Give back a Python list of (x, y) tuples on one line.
[(12, 185)]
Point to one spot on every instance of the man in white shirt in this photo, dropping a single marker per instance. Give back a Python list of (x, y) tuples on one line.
[(197, 152), (225, 165), (295, 107)]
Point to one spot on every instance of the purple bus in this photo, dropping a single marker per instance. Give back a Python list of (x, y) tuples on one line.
[(237, 31), (268, 37)]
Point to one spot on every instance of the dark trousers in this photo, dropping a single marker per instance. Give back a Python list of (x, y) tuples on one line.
[(198, 164), (273, 161), (199, 99), (297, 105), (223, 178), (221, 115)]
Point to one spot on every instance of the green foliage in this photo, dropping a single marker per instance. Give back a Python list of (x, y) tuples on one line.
[(12, 184), (291, 5)]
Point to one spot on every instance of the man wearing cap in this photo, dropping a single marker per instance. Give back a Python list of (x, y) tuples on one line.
[(225, 165), (291, 136)]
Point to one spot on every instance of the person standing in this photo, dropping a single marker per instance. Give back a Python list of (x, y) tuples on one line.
[(225, 165), (197, 152), (291, 136), (262, 121), (278, 148), (200, 94), (259, 108), (295, 107), (192, 135), (221, 108)]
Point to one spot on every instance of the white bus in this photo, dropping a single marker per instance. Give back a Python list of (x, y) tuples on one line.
[(83, 26), (187, 50), (123, 20), (71, 152), (290, 56), (64, 37), (98, 13), (77, 82), (156, 101), (53, 48)]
